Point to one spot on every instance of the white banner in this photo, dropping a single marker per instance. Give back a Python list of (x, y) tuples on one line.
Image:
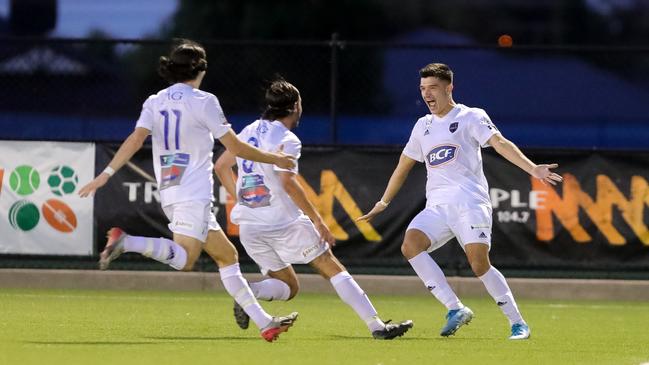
[(40, 211)]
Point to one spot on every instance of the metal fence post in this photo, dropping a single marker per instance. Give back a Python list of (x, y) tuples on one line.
[(333, 85)]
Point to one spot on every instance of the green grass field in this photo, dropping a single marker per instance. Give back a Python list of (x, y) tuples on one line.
[(100, 327)]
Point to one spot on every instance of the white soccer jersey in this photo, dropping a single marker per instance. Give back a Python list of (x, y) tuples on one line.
[(184, 123), (261, 199), (450, 148)]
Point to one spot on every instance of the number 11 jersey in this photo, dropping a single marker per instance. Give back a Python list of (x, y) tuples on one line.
[(184, 123)]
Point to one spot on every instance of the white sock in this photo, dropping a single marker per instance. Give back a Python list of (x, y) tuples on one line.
[(497, 287), (271, 289), (238, 289), (352, 294), (160, 249), (434, 279)]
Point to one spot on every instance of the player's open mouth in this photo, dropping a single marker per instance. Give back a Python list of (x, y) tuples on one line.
[(431, 103)]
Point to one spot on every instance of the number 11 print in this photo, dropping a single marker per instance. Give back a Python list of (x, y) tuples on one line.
[(165, 114)]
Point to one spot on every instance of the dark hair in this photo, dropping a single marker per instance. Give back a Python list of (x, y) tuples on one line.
[(280, 98), (186, 59), (439, 70)]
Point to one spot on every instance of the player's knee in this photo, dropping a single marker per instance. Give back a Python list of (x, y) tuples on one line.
[(480, 267), (231, 255), (295, 288), (414, 243), (226, 257), (327, 265), (410, 249), (478, 258), (192, 257), (405, 250)]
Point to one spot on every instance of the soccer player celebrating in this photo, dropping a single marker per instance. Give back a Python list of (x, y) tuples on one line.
[(270, 211), (448, 141), (183, 122)]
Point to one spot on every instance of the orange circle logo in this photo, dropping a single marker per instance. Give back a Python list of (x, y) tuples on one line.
[(59, 215)]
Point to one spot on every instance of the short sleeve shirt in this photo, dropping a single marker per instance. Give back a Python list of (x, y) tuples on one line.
[(184, 123), (451, 149), (261, 198)]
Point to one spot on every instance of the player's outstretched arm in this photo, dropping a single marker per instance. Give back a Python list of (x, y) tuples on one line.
[(513, 154), (244, 150), (297, 194), (394, 185), (131, 145), (223, 171)]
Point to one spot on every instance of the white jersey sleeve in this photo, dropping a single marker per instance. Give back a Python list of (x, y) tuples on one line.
[(213, 117), (413, 147), (482, 128), (293, 147), (146, 116)]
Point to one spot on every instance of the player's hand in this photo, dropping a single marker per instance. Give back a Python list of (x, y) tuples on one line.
[(90, 188), (284, 160), (543, 173), (325, 234), (378, 208)]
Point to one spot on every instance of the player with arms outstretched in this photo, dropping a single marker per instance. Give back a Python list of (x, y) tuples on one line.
[(278, 225), (183, 122), (448, 141)]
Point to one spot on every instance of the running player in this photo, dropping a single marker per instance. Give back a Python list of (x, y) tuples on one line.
[(183, 122), (448, 141), (273, 228)]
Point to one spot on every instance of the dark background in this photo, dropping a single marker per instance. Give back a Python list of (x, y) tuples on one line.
[(574, 85), (576, 77)]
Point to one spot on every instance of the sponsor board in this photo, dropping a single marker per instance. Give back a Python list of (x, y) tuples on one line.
[(40, 212)]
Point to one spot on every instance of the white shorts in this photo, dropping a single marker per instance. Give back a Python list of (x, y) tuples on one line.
[(276, 249), (192, 218), (470, 223)]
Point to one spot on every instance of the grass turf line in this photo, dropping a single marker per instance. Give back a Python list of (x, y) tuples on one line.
[(111, 327)]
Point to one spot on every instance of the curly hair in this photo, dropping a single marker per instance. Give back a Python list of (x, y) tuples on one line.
[(281, 97), (186, 59)]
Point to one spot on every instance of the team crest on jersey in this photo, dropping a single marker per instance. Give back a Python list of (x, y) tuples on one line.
[(442, 154), (262, 128), (453, 127)]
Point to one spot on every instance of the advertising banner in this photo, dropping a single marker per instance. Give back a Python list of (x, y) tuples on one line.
[(130, 200), (40, 211), (596, 219)]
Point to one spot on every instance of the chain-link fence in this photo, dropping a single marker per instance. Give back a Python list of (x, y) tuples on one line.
[(353, 92)]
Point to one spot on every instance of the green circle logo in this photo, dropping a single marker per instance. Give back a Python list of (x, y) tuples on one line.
[(63, 180), (24, 180), (24, 215)]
